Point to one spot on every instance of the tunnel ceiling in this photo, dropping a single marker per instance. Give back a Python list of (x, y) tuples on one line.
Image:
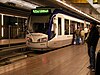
[(52, 3)]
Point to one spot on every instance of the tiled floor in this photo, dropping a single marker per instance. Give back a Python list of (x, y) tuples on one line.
[(72, 60)]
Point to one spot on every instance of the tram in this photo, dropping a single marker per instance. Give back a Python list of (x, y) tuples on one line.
[(50, 28)]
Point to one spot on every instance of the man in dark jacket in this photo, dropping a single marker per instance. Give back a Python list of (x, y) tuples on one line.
[(92, 41)]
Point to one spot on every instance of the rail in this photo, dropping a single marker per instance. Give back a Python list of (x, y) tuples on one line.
[(13, 53)]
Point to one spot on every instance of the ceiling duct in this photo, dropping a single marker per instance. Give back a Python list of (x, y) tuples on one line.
[(19, 3)]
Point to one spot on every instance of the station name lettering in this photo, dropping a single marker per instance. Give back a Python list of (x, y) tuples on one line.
[(40, 11)]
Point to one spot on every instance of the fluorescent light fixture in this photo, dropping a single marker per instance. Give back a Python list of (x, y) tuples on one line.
[(2, 34), (76, 10), (2, 21)]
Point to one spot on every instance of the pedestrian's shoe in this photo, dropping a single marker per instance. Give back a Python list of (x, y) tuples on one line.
[(93, 70), (89, 67)]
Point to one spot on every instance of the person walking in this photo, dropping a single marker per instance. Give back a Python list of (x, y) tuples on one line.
[(77, 35), (92, 41)]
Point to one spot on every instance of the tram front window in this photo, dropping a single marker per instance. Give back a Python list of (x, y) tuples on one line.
[(40, 27), (39, 24)]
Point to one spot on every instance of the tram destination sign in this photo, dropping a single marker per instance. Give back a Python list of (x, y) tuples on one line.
[(40, 11)]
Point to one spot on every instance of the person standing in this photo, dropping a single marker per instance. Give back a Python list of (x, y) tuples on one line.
[(92, 41), (82, 35), (73, 40), (77, 34), (86, 31)]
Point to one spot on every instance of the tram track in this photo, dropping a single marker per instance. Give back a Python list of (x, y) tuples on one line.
[(14, 53)]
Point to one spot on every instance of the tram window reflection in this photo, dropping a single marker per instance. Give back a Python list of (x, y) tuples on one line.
[(15, 26), (40, 27), (66, 26), (59, 26)]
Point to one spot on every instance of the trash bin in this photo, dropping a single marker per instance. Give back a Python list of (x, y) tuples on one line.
[(97, 72)]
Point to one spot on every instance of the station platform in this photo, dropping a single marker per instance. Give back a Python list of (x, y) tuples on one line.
[(7, 42), (71, 60), (11, 41)]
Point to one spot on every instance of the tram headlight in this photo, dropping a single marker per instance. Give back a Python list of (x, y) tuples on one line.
[(43, 39), (28, 39)]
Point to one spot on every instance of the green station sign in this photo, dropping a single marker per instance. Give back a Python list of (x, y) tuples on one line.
[(40, 11)]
